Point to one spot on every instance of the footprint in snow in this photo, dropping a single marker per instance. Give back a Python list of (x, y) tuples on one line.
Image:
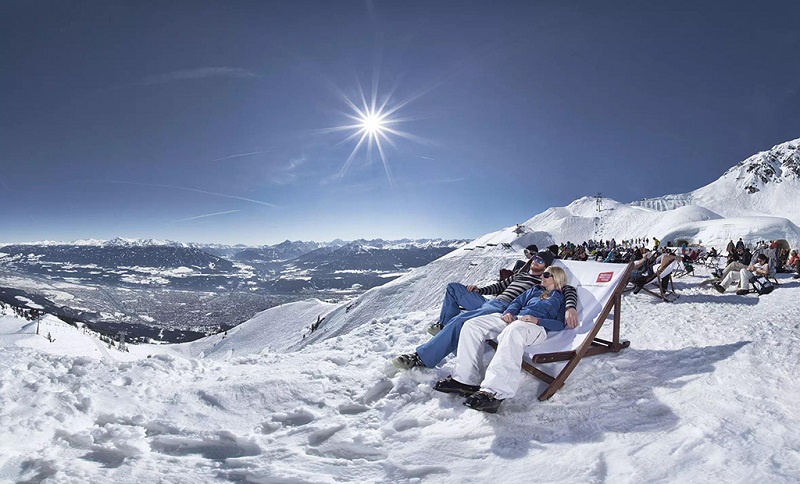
[(319, 436), (294, 419), (218, 446), (348, 451), (352, 409), (378, 391)]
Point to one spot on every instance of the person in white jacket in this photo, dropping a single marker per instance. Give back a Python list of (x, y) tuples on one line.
[(759, 268)]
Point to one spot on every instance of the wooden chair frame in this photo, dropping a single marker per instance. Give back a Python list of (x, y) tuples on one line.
[(668, 295), (682, 270)]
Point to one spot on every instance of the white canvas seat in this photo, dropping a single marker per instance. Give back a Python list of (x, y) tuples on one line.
[(663, 281)]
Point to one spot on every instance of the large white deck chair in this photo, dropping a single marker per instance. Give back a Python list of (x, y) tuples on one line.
[(662, 278), (666, 288), (599, 287)]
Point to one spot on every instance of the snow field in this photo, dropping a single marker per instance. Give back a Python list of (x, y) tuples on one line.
[(705, 393)]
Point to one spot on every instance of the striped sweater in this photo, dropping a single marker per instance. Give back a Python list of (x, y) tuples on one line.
[(509, 288)]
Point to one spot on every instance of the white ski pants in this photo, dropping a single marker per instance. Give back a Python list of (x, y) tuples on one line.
[(504, 373), (742, 276)]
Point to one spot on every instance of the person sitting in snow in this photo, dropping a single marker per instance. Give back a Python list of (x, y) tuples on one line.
[(737, 261), (759, 268), (526, 322), (642, 266), (445, 340), (655, 263), (794, 261)]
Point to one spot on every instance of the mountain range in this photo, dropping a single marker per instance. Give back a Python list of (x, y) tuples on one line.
[(288, 266), (757, 199)]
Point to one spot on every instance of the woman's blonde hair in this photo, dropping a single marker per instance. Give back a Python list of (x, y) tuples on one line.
[(559, 279)]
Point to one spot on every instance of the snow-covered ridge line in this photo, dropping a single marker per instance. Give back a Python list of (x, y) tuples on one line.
[(765, 183), (127, 242)]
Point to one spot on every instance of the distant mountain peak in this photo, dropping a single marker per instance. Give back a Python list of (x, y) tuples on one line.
[(780, 163), (120, 241)]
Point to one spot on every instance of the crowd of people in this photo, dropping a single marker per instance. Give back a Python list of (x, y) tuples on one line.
[(533, 299)]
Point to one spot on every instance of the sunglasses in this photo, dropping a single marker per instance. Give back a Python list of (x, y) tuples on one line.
[(537, 259), (546, 275)]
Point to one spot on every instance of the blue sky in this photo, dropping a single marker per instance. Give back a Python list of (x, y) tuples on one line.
[(210, 121)]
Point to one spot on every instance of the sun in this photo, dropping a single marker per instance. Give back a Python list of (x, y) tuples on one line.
[(374, 125)]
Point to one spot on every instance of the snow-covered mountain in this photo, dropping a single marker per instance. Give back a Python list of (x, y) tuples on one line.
[(146, 286), (283, 251), (765, 184), (116, 255), (758, 199), (115, 242)]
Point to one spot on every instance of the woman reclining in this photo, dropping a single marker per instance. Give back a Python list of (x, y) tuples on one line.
[(517, 328)]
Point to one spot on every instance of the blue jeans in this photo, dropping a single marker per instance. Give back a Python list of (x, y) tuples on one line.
[(458, 297), (446, 341)]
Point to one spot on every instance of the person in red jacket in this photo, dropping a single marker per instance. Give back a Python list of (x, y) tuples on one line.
[(794, 260)]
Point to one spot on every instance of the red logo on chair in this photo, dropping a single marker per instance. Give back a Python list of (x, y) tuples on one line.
[(604, 276)]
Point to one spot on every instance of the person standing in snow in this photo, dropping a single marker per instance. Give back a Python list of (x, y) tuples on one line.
[(526, 322), (445, 341)]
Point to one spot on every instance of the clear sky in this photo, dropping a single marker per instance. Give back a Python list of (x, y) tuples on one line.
[(212, 121)]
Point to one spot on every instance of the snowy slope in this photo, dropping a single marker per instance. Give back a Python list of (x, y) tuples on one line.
[(578, 221), (718, 232), (703, 393), (272, 330)]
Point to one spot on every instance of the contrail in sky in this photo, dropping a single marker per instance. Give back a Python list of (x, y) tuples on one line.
[(188, 75), (4, 184), (204, 216), (242, 154), (267, 204)]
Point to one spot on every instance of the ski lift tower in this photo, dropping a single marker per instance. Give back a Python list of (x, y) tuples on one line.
[(598, 219)]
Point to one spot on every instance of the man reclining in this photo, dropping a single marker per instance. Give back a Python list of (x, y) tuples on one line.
[(446, 341)]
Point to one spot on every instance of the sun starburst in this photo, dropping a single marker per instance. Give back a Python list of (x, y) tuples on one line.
[(374, 127)]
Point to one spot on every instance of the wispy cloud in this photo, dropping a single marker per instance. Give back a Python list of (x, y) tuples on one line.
[(200, 73), (4, 185), (175, 187), (240, 155), (440, 181), (286, 174), (204, 216), (190, 74)]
